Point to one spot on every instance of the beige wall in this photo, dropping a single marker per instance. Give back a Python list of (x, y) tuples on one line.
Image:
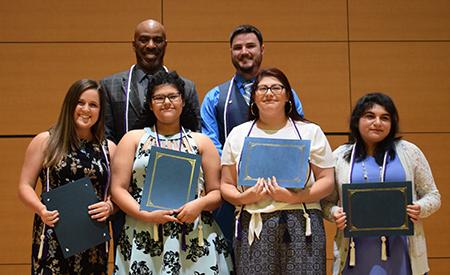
[(333, 51)]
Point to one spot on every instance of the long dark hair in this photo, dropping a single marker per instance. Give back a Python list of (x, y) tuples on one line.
[(188, 118), (290, 109), (63, 136), (387, 144)]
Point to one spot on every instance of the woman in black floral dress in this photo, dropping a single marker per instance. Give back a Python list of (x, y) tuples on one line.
[(187, 240), (74, 148)]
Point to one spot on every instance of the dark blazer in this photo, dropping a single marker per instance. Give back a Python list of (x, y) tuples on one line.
[(115, 88)]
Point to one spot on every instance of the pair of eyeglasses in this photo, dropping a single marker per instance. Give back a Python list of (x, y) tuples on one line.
[(275, 89), (160, 99)]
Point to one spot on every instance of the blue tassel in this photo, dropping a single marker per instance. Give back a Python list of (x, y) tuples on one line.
[(239, 229), (160, 232), (283, 220), (183, 237)]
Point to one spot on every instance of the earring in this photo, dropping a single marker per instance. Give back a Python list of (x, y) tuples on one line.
[(251, 109), (290, 106)]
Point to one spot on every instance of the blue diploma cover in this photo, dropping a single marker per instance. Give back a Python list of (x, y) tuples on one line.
[(285, 159), (76, 231), (377, 209), (171, 179)]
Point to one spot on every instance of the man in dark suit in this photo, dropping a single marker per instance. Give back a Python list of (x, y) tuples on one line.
[(125, 91)]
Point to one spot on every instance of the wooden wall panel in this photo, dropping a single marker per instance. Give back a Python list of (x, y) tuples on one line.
[(207, 64), (414, 74), (399, 47), (318, 72), (17, 220), (35, 77), (399, 20), (336, 141), (435, 146), (281, 20), (55, 20), (439, 266), (7, 269)]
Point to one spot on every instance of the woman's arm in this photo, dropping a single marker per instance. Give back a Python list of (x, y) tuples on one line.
[(32, 165), (121, 168), (428, 196), (211, 172)]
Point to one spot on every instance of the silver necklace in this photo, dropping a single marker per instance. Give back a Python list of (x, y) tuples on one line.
[(366, 174)]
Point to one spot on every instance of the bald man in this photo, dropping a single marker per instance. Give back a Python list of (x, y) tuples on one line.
[(125, 91)]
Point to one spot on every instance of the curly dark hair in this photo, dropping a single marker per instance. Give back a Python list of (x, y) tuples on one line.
[(365, 103), (188, 118)]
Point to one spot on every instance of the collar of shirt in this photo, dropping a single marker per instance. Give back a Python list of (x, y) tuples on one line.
[(141, 75), (240, 81)]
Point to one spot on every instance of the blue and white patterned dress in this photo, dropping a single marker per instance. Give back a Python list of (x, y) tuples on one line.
[(139, 253)]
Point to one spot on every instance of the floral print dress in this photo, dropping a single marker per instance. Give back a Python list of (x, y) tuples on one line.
[(87, 161), (177, 250)]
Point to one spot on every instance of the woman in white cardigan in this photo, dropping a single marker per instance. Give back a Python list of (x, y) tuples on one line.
[(375, 154)]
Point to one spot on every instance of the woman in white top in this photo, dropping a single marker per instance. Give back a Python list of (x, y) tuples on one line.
[(279, 230)]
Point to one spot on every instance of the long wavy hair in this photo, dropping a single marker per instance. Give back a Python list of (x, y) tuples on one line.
[(63, 136), (387, 144), (290, 109), (188, 117)]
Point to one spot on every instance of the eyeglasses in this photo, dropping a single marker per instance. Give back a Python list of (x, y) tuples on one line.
[(275, 89), (160, 99)]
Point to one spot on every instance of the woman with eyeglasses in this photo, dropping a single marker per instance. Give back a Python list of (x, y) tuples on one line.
[(376, 154), (187, 240), (279, 230)]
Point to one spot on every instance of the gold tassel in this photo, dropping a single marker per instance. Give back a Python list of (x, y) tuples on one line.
[(41, 246), (201, 242), (155, 232), (352, 253), (308, 224), (383, 249)]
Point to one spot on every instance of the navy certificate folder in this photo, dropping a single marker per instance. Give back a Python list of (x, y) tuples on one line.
[(285, 159), (377, 209), (171, 179), (75, 230)]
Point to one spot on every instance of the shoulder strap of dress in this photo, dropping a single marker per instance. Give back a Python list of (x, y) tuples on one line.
[(147, 133), (190, 141)]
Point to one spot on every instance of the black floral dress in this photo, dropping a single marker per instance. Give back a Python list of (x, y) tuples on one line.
[(88, 161), (177, 249)]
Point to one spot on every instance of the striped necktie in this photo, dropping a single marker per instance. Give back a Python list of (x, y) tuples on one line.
[(247, 91)]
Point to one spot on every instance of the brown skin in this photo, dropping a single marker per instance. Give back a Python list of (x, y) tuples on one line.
[(149, 45)]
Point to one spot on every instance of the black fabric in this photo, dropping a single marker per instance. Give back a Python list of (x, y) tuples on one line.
[(237, 109)]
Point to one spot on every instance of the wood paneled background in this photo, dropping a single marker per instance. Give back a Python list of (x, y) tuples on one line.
[(333, 51)]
